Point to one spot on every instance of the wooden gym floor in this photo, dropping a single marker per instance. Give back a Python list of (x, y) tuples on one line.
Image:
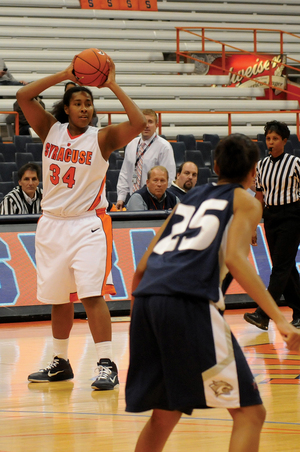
[(70, 417)]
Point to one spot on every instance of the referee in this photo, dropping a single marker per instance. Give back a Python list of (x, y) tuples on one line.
[(277, 188)]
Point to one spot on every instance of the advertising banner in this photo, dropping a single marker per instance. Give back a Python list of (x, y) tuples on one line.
[(246, 70), (133, 5), (18, 267)]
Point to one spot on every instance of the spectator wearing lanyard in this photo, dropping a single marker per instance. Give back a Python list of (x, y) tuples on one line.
[(277, 188), (155, 194), (142, 154)]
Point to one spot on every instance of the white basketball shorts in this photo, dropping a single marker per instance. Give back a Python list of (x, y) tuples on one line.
[(73, 255)]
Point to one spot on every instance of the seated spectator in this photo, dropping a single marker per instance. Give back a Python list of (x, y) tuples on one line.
[(26, 197), (186, 179), (155, 194), (6, 78), (142, 154), (23, 124)]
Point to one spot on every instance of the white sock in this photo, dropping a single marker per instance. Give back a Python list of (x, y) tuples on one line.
[(104, 350), (60, 348)]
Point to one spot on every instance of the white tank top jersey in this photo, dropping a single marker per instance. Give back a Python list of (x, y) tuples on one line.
[(73, 172)]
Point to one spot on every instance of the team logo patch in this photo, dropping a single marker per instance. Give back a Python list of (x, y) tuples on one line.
[(221, 387)]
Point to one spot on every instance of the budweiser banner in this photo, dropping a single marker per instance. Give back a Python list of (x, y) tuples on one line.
[(246, 70)]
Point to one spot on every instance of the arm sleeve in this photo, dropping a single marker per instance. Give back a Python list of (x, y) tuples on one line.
[(7, 207), (136, 203), (257, 180)]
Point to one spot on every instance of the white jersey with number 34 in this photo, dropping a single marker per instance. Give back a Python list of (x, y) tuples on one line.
[(73, 172)]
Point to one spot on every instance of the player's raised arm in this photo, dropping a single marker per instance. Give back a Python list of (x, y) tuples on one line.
[(117, 136), (38, 118)]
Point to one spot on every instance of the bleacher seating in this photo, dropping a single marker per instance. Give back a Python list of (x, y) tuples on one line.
[(6, 187), (189, 141), (295, 141), (35, 149), (22, 158), (6, 169), (196, 157), (205, 147), (262, 149), (179, 152), (212, 137), (112, 175), (158, 82), (20, 141), (32, 26), (203, 175), (112, 196), (289, 148), (261, 137), (8, 151), (15, 177)]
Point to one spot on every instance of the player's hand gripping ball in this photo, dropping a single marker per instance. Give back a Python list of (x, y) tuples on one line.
[(91, 67)]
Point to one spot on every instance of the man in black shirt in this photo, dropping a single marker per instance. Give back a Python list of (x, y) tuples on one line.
[(277, 188)]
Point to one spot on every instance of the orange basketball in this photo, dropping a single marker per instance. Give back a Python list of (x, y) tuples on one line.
[(91, 67)]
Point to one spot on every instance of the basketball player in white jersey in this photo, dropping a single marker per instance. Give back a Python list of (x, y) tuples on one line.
[(73, 237)]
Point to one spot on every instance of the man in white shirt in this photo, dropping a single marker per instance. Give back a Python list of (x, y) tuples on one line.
[(142, 154)]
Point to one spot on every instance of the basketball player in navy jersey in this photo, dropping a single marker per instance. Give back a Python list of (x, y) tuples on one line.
[(182, 353)]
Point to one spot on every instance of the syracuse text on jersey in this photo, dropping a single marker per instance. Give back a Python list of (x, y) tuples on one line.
[(67, 155)]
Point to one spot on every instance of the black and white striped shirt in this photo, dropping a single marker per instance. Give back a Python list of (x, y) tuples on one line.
[(279, 179), (15, 203)]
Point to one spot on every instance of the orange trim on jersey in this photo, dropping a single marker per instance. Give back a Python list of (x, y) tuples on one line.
[(73, 297), (76, 136), (107, 289), (107, 228), (98, 197)]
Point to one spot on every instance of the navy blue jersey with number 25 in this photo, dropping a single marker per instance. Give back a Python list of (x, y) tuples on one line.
[(189, 255)]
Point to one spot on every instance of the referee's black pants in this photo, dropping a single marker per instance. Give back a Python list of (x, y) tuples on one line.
[(282, 227)]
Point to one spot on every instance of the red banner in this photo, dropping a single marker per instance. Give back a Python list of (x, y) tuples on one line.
[(133, 5), (247, 70)]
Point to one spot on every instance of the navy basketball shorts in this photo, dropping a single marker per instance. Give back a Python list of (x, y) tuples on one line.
[(183, 356)]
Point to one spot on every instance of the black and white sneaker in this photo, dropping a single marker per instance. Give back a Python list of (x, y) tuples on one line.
[(58, 370), (107, 377)]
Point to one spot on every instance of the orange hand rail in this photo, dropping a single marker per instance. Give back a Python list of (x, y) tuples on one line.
[(191, 30), (228, 113)]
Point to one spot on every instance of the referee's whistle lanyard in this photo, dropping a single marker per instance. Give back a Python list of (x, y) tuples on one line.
[(144, 151)]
